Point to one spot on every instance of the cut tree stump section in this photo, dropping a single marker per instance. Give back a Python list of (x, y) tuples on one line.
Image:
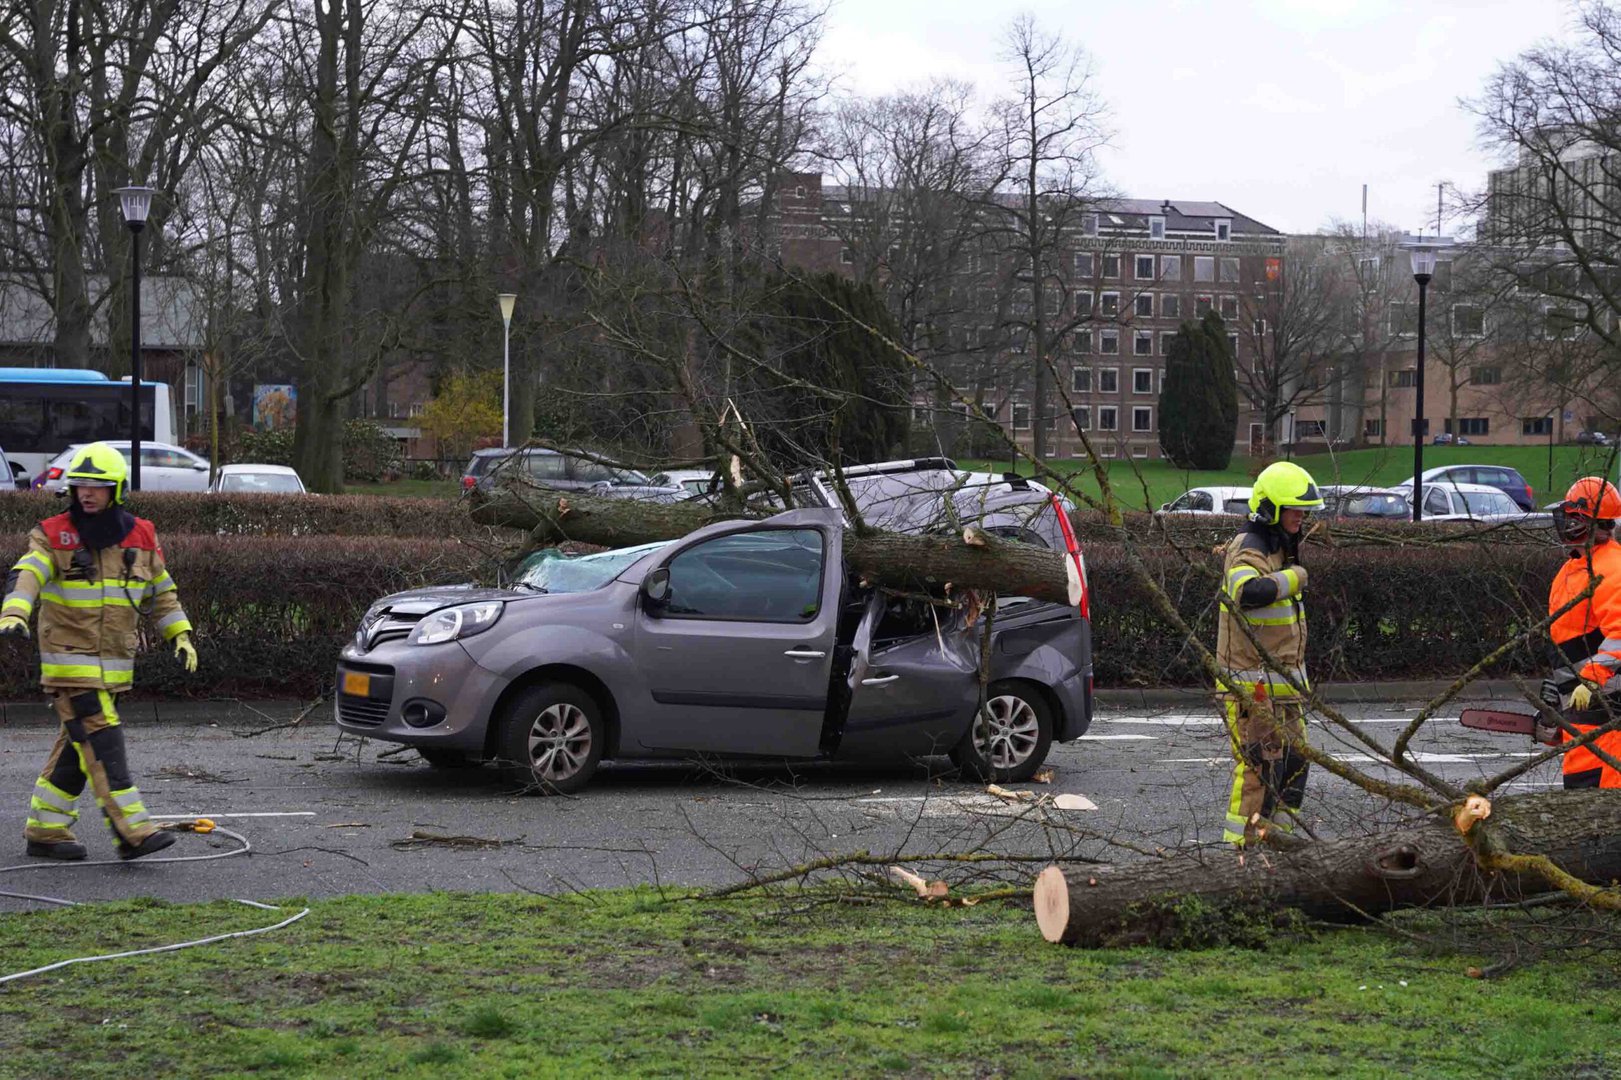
[(1427, 864), (973, 560)]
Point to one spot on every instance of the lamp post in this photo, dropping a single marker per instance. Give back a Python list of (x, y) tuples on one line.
[(1423, 269), (136, 203), (507, 301)]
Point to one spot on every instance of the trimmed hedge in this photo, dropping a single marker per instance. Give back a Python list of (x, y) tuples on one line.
[(178, 513), (272, 613), (1373, 612)]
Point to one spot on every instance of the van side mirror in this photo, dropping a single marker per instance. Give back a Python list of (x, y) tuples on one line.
[(656, 588)]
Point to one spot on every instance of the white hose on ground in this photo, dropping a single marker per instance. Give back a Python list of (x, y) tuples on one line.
[(243, 850)]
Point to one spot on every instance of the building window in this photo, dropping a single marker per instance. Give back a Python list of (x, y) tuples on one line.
[(1468, 320), (1472, 425), (1260, 328), (1170, 267), (1083, 263), (1486, 376), (1232, 345), (1082, 417), (1202, 306), (1229, 307), (1080, 381), (1224, 229), (1108, 418), (1143, 303), (1109, 380), (846, 255), (1403, 317), (1107, 451), (1156, 228), (1309, 429), (1083, 304), (1089, 224), (1142, 343), (1109, 305), (1170, 305), (1374, 429), (1204, 268), (1109, 342), (1083, 341), (1021, 417), (1404, 377), (1229, 269), (1536, 425), (1165, 340), (1142, 380), (1111, 266), (1145, 268), (1142, 418)]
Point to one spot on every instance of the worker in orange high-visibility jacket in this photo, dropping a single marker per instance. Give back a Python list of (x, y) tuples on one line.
[(92, 572), (1261, 654), (1589, 634)]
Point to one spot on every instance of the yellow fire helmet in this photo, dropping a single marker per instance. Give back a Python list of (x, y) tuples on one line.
[(99, 465), (1281, 484)]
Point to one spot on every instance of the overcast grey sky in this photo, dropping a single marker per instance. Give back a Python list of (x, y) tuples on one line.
[(1281, 109)]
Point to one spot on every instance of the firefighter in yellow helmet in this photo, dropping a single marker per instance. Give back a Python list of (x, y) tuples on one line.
[(92, 571), (1262, 609)]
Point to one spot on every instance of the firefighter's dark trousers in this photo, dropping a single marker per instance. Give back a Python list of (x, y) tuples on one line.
[(89, 749), (1269, 772)]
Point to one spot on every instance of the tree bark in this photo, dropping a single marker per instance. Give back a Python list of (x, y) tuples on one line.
[(1427, 864), (972, 560)]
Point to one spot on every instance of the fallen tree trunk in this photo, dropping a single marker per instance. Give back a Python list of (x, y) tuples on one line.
[(972, 560), (1427, 864)]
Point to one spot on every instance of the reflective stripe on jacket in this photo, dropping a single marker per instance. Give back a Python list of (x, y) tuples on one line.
[(90, 604), (1279, 624), (1589, 635)]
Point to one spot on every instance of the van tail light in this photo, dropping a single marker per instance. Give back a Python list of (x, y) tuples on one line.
[(1529, 496), (468, 483), (54, 473)]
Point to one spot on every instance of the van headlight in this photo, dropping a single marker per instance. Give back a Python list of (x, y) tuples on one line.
[(453, 623)]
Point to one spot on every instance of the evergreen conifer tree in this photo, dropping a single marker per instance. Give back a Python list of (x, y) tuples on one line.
[(1198, 409)]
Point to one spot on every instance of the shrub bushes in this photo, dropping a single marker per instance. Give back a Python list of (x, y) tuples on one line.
[(369, 453), (176, 513), (273, 611)]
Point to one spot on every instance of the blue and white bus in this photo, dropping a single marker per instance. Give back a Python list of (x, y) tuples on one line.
[(43, 411)]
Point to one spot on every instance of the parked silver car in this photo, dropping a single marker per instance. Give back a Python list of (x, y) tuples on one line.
[(744, 638)]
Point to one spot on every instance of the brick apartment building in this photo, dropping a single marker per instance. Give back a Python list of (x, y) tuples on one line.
[(1136, 269)]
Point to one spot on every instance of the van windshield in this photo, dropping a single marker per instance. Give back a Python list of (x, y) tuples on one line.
[(551, 571)]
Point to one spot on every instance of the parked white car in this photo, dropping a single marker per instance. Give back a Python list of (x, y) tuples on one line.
[(1210, 500), (250, 479), (1467, 502), (694, 482), (164, 467)]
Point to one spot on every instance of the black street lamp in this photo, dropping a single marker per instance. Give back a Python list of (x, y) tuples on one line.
[(136, 203), (1423, 269)]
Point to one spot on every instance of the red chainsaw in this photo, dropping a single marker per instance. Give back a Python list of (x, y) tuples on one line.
[(1518, 723)]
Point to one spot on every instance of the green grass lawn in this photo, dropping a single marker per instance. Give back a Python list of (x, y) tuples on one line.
[(416, 489), (1147, 484), (624, 983)]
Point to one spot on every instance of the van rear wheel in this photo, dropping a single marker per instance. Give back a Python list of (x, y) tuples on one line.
[(1009, 738)]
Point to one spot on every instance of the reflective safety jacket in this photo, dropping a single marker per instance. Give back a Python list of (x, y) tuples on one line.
[(1265, 585), (90, 602), (1589, 636)]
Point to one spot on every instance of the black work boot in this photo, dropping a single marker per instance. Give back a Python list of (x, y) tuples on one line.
[(156, 841), (66, 850)]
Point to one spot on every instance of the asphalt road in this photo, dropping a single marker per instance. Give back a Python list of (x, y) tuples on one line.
[(331, 816)]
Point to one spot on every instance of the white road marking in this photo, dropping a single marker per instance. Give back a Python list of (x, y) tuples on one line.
[(222, 815), (1420, 757), (1205, 720), (1117, 738)]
